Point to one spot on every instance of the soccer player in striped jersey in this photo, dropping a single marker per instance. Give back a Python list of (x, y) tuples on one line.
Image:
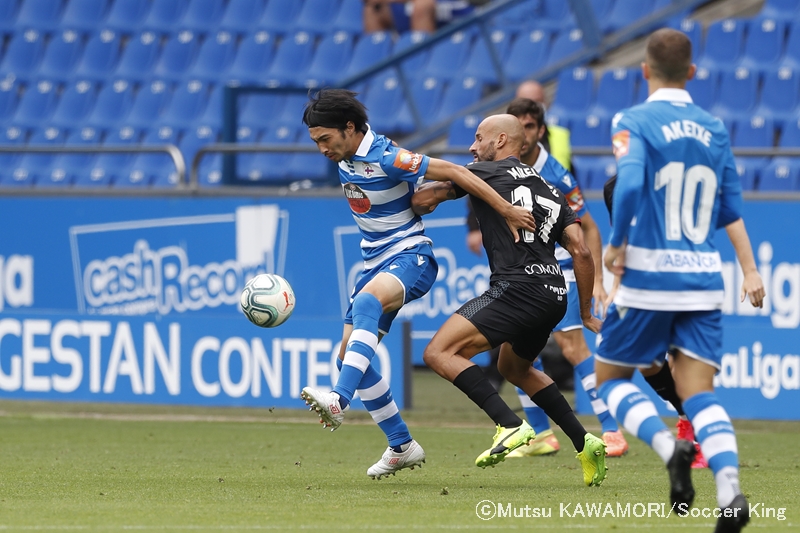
[(378, 180), (676, 183)]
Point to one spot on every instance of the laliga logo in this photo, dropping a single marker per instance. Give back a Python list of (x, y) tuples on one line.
[(16, 281)]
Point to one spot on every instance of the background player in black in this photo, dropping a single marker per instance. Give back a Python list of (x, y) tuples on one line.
[(526, 298)]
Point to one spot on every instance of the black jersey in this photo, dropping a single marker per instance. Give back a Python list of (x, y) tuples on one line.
[(533, 258)]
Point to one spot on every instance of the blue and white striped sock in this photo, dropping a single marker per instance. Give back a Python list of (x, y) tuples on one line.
[(535, 415), (588, 379), (367, 309), (633, 409), (714, 431), (377, 398)]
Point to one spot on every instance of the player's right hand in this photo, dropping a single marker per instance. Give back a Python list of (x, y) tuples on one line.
[(519, 218)]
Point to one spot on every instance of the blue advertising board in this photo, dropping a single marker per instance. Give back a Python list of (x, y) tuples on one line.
[(132, 285)]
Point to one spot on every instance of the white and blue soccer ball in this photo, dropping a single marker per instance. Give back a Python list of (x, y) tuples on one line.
[(267, 300)]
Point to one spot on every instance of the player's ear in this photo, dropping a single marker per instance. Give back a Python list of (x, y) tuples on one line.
[(645, 71), (692, 71)]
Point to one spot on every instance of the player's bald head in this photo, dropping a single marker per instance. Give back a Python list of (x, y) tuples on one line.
[(532, 90), (494, 125), (669, 55)]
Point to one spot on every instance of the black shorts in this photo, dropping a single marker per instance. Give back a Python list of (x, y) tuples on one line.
[(523, 314)]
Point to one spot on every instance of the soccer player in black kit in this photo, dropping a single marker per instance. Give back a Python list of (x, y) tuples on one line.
[(525, 300)]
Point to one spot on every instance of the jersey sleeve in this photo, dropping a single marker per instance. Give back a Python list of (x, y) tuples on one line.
[(568, 185), (730, 209), (481, 170), (402, 165), (566, 217), (630, 152)]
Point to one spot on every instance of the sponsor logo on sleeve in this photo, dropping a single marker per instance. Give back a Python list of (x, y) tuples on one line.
[(621, 142), (408, 161), (575, 199), (359, 202)]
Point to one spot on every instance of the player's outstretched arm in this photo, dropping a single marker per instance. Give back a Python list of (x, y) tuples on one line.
[(752, 286), (517, 217), (430, 195), (583, 264)]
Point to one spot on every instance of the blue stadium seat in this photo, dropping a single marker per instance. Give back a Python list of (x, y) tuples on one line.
[(36, 167), (177, 56), (209, 173), (642, 89), (704, 87), (253, 59), (462, 131), (75, 168), (384, 98), (593, 171), (145, 167), (8, 14), (246, 135), (458, 159), (279, 17), (202, 16), (100, 56), (165, 15), (310, 166), (113, 104), (370, 49), (448, 58), (582, 168), (43, 15), (212, 115), (625, 13), (292, 60), (763, 47), (9, 161), (737, 94), (554, 15), (748, 169), (36, 105), (458, 95), (416, 63), (479, 64), (566, 43), (427, 94), (521, 16), (272, 166), (782, 174), (9, 98), (330, 60), (350, 17), (528, 54), (149, 104), (780, 94), (74, 106), (292, 110), (257, 111), (188, 103), (85, 15), (127, 16), (62, 56), (615, 91), (574, 96), (139, 56), (591, 130), (241, 16), (215, 56), (114, 168), (23, 54), (781, 9), (602, 8), (316, 16), (723, 45), (791, 58), (694, 30), (790, 136), (755, 132)]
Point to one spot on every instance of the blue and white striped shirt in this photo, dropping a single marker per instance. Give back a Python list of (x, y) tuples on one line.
[(379, 182)]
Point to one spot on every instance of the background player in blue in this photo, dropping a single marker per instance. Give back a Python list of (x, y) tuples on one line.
[(676, 183), (569, 332), (378, 180)]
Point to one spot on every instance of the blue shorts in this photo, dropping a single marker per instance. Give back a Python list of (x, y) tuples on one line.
[(639, 338), (572, 318), (415, 268)]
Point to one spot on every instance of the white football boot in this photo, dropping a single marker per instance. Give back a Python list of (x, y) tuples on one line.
[(327, 406), (391, 461)]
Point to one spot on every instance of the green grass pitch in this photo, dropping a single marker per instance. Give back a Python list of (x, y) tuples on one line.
[(81, 467)]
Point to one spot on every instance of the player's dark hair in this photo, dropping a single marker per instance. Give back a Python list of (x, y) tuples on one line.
[(519, 107), (334, 108), (669, 55)]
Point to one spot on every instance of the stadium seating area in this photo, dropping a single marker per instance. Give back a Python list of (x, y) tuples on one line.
[(127, 72)]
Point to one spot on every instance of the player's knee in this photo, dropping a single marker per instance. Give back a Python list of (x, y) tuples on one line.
[(431, 356)]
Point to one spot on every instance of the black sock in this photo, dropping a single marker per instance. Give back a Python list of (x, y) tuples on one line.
[(557, 408), (474, 384), (664, 385)]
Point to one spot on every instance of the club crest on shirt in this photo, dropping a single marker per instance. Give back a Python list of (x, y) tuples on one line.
[(621, 142), (359, 202), (408, 161)]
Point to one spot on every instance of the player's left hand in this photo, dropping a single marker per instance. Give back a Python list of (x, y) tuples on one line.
[(593, 324), (614, 260), (753, 287), (519, 218), (600, 296)]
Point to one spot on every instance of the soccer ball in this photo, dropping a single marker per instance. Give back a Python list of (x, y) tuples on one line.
[(267, 300)]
